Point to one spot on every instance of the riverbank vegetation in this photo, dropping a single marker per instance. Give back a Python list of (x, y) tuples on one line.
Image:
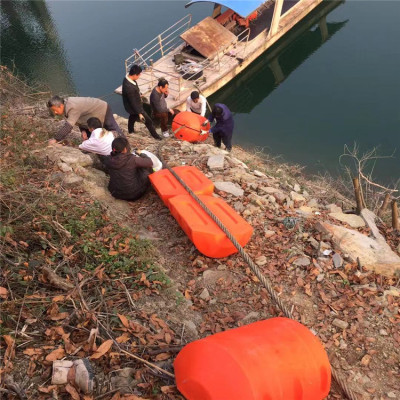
[(76, 282)]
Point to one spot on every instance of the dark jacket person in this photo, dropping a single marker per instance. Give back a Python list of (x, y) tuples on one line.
[(128, 173), (133, 104)]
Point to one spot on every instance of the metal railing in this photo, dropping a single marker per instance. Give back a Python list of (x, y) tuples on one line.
[(162, 44), (168, 42)]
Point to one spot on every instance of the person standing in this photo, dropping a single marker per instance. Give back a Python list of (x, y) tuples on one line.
[(196, 103), (77, 110), (223, 129), (159, 105), (133, 102)]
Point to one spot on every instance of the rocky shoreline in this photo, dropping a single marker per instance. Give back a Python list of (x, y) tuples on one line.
[(323, 261)]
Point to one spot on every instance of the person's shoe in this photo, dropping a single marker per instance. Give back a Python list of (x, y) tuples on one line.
[(158, 137), (165, 134)]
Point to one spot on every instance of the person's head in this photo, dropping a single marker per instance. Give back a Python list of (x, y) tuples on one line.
[(135, 71), (56, 105), (162, 86), (120, 145), (195, 96), (94, 123), (217, 112)]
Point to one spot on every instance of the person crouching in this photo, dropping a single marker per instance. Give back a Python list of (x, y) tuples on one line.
[(96, 139), (129, 174)]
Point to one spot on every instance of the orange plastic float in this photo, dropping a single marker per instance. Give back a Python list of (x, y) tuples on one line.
[(167, 186), (188, 126), (205, 234), (276, 359)]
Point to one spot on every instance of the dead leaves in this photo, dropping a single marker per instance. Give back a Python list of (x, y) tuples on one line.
[(103, 349), (3, 292), (56, 354)]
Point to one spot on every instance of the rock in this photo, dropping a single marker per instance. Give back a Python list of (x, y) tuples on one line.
[(67, 155), (269, 233), (351, 219), (333, 208), (259, 174), (279, 196), (289, 203), (238, 206), (204, 295), (269, 190), (305, 194), (84, 160), (191, 328), (251, 317), (320, 277), (64, 167), (392, 395), (366, 360), (260, 261), (313, 203), (229, 187), (339, 323), (305, 211), (374, 255), (383, 332), (216, 162), (211, 277), (296, 197), (72, 180), (240, 163), (271, 199), (314, 243), (337, 260), (296, 187), (124, 380), (301, 262)]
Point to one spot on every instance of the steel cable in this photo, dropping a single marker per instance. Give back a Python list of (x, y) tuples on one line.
[(266, 283)]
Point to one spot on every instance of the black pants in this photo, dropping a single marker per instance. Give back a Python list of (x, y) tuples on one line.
[(148, 122), (225, 137), (110, 123), (142, 187)]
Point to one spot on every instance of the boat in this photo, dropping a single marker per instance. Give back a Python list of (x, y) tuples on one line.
[(208, 55)]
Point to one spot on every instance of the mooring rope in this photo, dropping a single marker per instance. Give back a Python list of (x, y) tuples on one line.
[(266, 283)]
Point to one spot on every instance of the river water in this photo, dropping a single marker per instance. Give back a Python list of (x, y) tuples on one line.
[(305, 101)]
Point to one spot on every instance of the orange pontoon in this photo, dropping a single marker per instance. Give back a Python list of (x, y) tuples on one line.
[(167, 186), (275, 359), (205, 234), (188, 126)]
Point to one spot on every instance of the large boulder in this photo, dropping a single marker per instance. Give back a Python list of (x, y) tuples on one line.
[(69, 156), (351, 219), (374, 254)]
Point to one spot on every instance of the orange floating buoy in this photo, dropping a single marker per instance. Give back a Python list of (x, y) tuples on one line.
[(205, 234), (275, 359), (167, 186), (188, 126)]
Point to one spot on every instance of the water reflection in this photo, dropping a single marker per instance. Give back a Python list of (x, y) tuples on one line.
[(261, 78), (30, 41)]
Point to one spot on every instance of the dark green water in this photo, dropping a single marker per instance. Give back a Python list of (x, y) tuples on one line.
[(304, 100)]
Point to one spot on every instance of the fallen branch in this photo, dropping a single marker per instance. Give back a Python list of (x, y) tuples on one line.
[(55, 280)]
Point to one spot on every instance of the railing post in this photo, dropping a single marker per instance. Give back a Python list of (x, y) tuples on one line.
[(180, 84), (161, 46), (276, 17)]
